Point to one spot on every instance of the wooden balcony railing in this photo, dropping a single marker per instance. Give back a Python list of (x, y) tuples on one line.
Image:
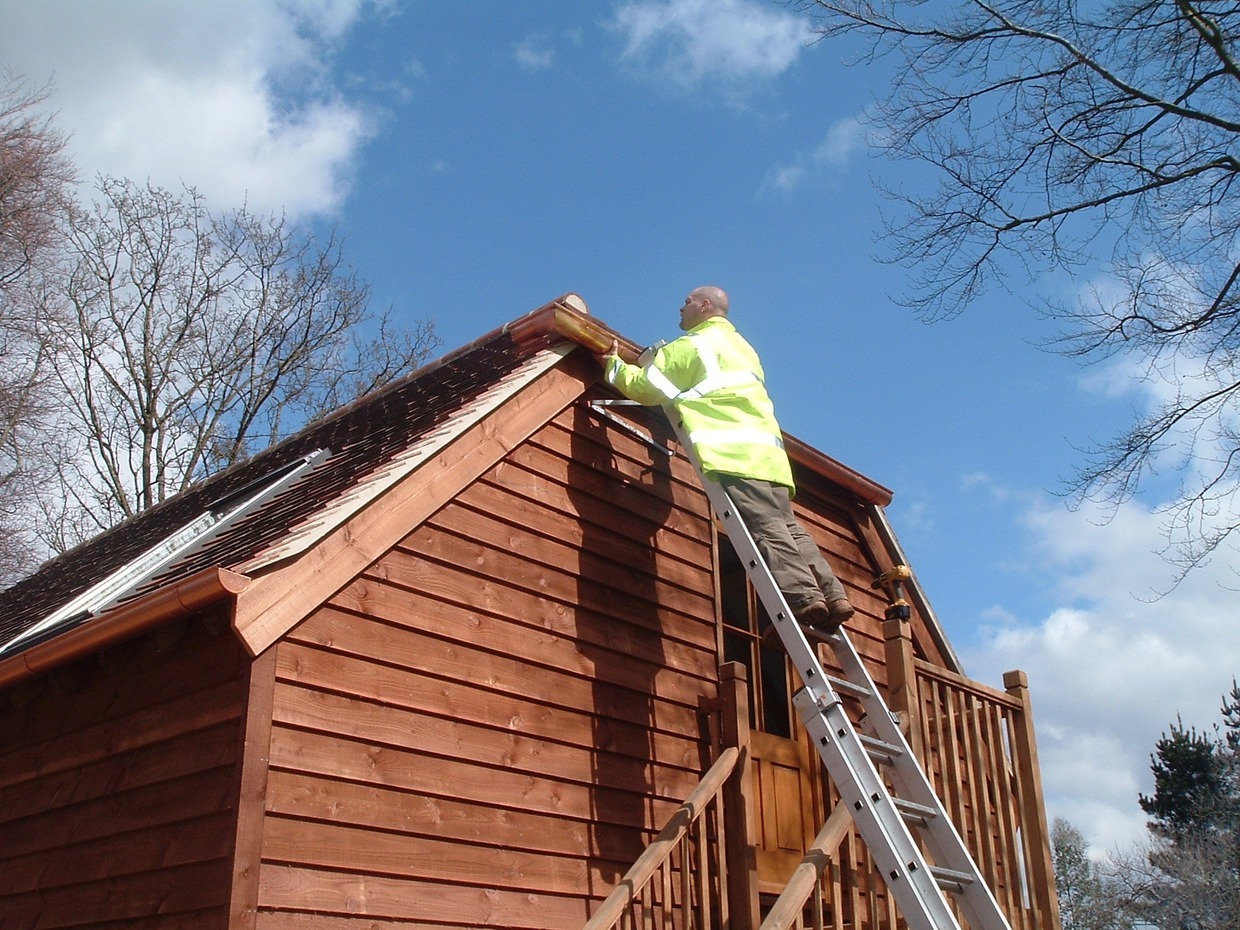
[(977, 746), (681, 879)]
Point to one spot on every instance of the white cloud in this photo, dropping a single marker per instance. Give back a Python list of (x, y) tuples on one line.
[(845, 137), (534, 53), (724, 44), (229, 96), (1126, 650), (1187, 387), (1113, 666)]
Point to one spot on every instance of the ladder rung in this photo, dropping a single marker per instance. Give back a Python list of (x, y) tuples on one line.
[(879, 751), (815, 635), (912, 812), (950, 879), (849, 687)]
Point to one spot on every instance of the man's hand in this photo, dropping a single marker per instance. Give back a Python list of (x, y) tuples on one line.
[(604, 356)]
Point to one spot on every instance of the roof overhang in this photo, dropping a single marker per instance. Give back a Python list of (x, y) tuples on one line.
[(212, 587)]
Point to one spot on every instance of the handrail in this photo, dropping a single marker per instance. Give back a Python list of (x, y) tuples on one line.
[(632, 886), (804, 880), (965, 684)]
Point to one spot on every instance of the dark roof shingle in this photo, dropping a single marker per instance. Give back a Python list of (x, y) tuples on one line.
[(361, 437)]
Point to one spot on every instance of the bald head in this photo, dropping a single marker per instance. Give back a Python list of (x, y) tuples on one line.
[(702, 304), (717, 297)]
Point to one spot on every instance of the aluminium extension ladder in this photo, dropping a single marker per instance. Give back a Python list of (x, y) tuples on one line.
[(882, 818)]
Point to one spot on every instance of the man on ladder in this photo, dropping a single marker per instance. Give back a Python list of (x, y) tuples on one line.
[(714, 380)]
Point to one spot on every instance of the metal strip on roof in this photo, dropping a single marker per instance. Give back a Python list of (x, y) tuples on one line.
[(306, 535), (121, 583)]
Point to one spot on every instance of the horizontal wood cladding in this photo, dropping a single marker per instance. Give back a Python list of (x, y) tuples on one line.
[(298, 888), (408, 771), (498, 692), (547, 632), (502, 732), (283, 920), (488, 725), (118, 781)]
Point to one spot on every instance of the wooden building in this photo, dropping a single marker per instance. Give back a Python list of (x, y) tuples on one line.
[(453, 657)]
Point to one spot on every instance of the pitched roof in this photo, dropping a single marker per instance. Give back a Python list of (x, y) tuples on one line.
[(346, 461), (368, 441)]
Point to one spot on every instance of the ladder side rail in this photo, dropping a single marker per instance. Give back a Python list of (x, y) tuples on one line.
[(892, 847), (941, 838), (907, 776)]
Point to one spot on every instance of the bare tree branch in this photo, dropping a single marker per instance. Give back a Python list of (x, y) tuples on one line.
[(35, 179), (148, 341), (1068, 137), (193, 340)]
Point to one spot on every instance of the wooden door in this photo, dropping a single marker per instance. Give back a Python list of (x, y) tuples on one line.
[(785, 806)]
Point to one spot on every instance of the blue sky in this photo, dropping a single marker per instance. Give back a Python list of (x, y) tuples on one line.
[(482, 159)]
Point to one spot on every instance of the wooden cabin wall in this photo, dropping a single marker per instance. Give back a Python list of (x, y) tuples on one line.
[(118, 785), (489, 725), (844, 531)]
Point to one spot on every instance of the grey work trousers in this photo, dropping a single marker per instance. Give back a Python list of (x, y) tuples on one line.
[(799, 569)]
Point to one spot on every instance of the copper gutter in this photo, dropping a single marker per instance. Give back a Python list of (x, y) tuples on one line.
[(870, 492), (199, 591), (569, 318)]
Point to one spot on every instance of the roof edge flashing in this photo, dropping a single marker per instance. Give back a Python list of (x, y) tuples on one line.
[(568, 317)]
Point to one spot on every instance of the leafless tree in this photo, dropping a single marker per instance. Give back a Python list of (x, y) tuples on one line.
[(191, 340), (1070, 136), (35, 193), (1192, 883), (35, 179), (1088, 900)]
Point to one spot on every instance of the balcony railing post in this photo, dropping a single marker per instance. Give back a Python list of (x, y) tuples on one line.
[(742, 843), (902, 679), (1033, 807)]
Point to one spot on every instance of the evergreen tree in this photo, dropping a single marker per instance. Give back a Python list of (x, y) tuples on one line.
[(1188, 782), (1193, 882)]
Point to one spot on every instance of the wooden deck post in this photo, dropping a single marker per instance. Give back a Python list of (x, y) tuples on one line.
[(741, 846), (902, 679), (1033, 808)]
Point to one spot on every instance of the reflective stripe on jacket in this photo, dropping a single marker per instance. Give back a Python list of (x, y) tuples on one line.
[(714, 379)]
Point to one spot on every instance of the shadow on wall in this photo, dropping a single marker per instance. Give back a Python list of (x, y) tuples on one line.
[(622, 503)]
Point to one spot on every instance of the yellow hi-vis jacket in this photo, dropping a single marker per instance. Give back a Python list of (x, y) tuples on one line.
[(714, 380)]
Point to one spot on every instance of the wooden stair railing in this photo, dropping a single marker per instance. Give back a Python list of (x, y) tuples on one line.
[(804, 883), (680, 880)]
